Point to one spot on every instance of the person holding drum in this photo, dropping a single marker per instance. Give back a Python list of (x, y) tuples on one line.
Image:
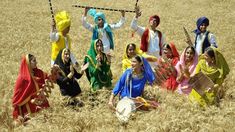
[(213, 64), (132, 82), (185, 68)]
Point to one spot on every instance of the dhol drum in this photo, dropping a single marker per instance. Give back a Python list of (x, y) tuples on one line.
[(124, 109)]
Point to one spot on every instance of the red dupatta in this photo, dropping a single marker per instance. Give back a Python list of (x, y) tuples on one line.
[(175, 54), (26, 87), (170, 83)]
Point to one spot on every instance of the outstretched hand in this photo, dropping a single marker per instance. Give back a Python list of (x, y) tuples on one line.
[(84, 67)]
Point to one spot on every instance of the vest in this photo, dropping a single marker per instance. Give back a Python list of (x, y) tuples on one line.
[(205, 43), (145, 41)]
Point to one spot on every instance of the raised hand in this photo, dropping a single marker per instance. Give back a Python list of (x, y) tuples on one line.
[(123, 13), (86, 10), (84, 67), (137, 12)]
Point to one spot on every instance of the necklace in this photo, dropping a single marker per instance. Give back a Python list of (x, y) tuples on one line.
[(140, 75)]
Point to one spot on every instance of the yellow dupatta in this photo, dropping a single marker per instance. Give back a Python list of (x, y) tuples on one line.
[(216, 74), (126, 61)]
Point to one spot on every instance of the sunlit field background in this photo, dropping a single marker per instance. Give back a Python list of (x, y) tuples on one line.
[(25, 28)]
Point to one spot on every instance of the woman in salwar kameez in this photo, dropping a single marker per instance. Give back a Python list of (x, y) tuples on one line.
[(130, 51), (166, 67), (185, 68), (98, 72), (132, 82), (27, 88), (212, 64)]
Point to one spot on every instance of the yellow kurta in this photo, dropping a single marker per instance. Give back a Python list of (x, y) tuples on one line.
[(126, 61), (59, 45), (217, 74)]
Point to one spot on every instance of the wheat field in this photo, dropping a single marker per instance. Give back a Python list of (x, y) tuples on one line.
[(25, 28)]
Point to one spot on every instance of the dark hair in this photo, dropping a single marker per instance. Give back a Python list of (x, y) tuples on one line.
[(167, 46), (138, 58), (192, 48), (99, 40), (131, 44), (30, 57), (210, 52)]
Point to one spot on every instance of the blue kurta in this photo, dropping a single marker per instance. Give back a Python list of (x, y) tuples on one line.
[(123, 85)]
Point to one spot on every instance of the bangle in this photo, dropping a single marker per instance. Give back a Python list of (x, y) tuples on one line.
[(70, 75)]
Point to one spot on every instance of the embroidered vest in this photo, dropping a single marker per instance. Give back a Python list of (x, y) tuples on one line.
[(205, 44), (145, 41)]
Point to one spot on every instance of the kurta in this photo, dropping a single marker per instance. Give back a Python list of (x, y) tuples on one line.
[(68, 86), (98, 76), (28, 83), (217, 74)]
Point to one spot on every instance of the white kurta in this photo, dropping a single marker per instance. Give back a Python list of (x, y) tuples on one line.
[(200, 39), (103, 33), (153, 48)]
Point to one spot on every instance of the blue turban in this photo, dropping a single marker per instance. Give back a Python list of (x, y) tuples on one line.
[(200, 21)]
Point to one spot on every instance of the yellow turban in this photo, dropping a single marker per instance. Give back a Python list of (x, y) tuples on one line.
[(62, 20)]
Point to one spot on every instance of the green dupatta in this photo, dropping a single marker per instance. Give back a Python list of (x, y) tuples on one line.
[(98, 76)]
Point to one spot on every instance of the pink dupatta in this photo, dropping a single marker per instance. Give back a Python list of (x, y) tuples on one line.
[(183, 87)]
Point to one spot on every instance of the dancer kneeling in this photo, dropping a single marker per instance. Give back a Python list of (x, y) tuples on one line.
[(214, 66), (132, 82), (29, 86), (69, 87), (98, 72)]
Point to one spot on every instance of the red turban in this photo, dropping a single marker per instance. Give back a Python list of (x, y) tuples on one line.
[(156, 17)]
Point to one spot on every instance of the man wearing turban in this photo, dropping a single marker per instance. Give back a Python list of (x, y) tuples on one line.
[(60, 38), (203, 38), (151, 38), (102, 30)]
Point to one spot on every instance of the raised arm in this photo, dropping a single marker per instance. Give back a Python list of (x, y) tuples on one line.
[(134, 25), (85, 23), (54, 36), (120, 23)]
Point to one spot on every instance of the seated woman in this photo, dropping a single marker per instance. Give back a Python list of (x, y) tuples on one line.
[(132, 82), (66, 76), (98, 72), (165, 70), (213, 65), (185, 68), (28, 85), (130, 51)]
